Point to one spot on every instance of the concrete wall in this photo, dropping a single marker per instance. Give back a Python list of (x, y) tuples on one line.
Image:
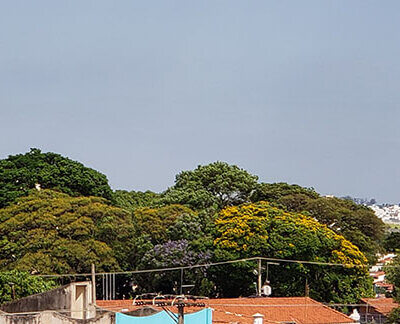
[(50, 317), (21, 319), (74, 300), (56, 299), (70, 304)]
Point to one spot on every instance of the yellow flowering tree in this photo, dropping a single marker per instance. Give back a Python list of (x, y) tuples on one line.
[(260, 229)]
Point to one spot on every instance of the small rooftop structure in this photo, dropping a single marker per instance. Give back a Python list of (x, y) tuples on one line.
[(68, 304)]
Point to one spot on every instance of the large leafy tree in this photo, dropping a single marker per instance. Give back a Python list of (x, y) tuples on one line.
[(393, 276), (132, 200), (260, 229), (392, 272), (273, 192), (175, 254), (20, 173), (16, 284), (51, 232), (355, 222), (155, 222), (392, 241), (170, 236), (214, 185)]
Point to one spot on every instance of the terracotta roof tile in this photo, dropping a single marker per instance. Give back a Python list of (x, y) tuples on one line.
[(300, 310), (376, 273), (381, 305)]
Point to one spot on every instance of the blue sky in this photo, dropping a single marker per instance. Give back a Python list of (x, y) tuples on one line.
[(304, 92)]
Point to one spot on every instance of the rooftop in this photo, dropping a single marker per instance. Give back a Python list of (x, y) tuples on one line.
[(381, 305), (300, 310)]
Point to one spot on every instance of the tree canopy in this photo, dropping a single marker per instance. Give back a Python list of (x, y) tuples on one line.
[(174, 254), (51, 232), (216, 212), (273, 192), (217, 184), (131, 200), (263, 230), (20, 173), (392, 272), (357, 223), (155, 222), (18, 284), (392, 241)]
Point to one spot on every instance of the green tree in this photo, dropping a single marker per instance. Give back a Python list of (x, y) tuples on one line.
[(260, 229), (392, 241), (20, 284), (394, 316), (357, 223), (392, 272), (51, 232), (155, 222), (273, 192), (20, 173), (172, 235), (131, 200), (214, 185), (175, 254)]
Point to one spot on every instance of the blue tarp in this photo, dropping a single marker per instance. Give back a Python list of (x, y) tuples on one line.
[(202, 317)]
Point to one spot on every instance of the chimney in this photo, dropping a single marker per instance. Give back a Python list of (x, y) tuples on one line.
[(258, 318), (355, 315)]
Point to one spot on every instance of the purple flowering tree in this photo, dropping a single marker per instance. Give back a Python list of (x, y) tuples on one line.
[(176, 254)]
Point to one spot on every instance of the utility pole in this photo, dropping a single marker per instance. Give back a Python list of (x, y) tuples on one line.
[(93, 284), (180, 289), (180, 304), (268, 263), (307, 289), (181, 308), (259, 278)]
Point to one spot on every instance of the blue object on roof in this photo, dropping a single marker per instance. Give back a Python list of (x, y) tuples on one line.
[(201, 317)]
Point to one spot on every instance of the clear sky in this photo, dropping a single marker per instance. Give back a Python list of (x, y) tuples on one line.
[(304, 92)]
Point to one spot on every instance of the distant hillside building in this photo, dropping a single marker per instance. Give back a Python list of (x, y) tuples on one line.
[(381, 286)]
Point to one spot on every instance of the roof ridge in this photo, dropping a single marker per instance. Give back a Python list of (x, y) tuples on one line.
[(336, 311)]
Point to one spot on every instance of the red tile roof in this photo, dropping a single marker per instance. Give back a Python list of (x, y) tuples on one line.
[(386, 260), (376, 273), (381, 305), (299, 310), (384, 284)]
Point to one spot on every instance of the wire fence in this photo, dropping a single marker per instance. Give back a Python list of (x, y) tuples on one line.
[(211, 264), (120, 284)]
